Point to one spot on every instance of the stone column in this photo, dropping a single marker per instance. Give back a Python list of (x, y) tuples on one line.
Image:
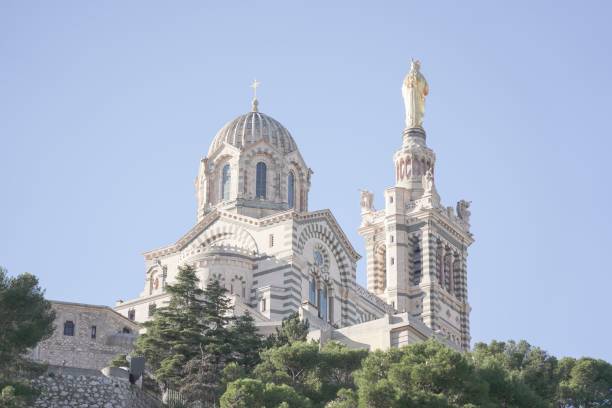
[(465, 312), (398, 253), (415, 265), (370, 263), (428, 243)]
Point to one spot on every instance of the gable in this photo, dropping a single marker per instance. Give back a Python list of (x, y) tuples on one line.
[(321, 227)]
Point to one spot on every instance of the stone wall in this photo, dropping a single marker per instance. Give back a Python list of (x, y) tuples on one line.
[(99, 334), (68, 391)]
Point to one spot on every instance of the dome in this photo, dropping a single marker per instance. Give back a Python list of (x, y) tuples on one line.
[(250, 128)]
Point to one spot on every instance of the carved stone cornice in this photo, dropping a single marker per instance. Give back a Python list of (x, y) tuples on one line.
[(216, 214), (366, 294), (449, 226), (185, 239)]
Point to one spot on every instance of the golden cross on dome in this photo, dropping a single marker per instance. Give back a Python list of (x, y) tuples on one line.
[(255, 85)]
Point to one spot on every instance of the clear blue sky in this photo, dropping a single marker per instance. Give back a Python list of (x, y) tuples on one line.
[(107, 107)]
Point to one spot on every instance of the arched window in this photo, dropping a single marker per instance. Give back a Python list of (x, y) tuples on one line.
[(312, 291), (291, 190), (330, 308), (225, 182), (440, 263), (456, 277), (380, 268), (126, 330), (323, 302), (132, 314), (416, 261), (260, 180), (448, 259), (68, 328)]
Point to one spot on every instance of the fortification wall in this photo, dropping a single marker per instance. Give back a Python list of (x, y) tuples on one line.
[(68, 391)]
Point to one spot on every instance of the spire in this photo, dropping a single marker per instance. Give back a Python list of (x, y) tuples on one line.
[(414, 161), (255, 102)]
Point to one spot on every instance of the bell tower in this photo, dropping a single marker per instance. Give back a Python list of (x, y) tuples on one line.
[(416, 248)]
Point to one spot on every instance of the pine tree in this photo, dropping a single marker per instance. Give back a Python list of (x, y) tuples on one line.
[(176, 331), (203, 373), (26, 318), (293, 328), (217, 315), (203, 379), (246, 342)]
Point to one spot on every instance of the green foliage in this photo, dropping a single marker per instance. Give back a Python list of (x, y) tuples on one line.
[(18, 393), (295, 364), (203, 379), (176, 331), (9, 399), (339, 362), (249, 393), (244, 393), (346, 399), (216, 317), (292, 329), (196, 346), (316, 374), (232, 372), (507, 388), (337, 365), (246, 341), (279, 396), (26, 318), (585, 383), (374, 388), (528, 370), (500, 374), (150, 385), (426, 374), (203, 374), (120, 361)]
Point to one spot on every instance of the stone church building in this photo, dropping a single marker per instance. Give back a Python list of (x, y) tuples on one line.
[(257, 235)]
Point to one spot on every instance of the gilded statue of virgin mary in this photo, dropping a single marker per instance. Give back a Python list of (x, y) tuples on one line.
[(414, 91)]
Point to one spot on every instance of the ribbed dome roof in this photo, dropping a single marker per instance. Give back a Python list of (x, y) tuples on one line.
[(251, 128)]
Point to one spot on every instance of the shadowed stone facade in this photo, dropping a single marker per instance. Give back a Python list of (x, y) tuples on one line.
[(86, 336)]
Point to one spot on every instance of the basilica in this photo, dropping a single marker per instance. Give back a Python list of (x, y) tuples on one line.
[(256, 234)]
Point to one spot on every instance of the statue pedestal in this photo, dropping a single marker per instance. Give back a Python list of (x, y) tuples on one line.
[(414, 135), (428, 201)]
